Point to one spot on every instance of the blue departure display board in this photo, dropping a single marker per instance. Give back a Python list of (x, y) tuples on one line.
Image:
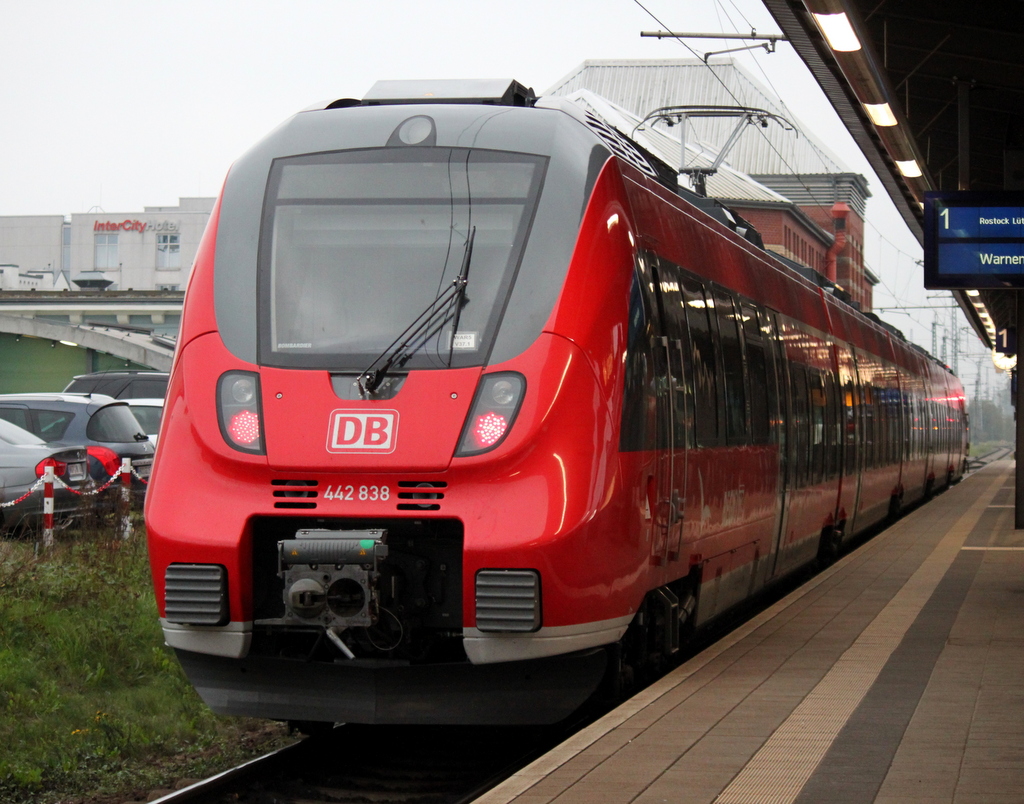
[(973, 240)]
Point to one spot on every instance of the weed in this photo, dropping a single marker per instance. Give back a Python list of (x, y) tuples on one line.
[(90, 698)]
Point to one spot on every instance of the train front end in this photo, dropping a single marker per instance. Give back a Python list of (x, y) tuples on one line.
[(386, 481)]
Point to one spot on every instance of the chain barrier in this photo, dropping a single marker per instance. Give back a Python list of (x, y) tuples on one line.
[(35, 487), (86, 493), (49, 481)]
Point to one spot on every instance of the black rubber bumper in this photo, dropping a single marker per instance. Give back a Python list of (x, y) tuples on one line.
[(537, 691)]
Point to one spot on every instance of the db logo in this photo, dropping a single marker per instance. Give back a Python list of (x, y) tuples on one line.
[(362, 431)]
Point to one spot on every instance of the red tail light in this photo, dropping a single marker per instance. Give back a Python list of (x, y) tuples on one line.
[(244, 427), (238, 410), (108, 459), (494, 410), (489, 429), (59, 467)]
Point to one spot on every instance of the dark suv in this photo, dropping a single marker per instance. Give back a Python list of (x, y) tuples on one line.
[(105, 426), (121, 384)]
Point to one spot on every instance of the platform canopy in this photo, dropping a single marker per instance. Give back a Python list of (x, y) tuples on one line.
[(932, 93)]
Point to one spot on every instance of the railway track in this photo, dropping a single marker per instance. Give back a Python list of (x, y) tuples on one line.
[(379, 765), (998, 454)]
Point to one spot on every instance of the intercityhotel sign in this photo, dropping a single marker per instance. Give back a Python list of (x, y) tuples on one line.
[(134, 226)]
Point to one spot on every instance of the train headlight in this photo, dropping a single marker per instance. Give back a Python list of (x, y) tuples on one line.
[(494, 409), (243, 389), (503, 392), (238, 411)]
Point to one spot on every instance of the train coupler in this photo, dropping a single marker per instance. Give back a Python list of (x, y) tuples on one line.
[(331, 577)]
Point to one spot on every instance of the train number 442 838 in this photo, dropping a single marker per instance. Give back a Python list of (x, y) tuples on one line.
[(364, 493)]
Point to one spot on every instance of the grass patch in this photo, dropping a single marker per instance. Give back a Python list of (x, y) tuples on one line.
[(92, 704), (983, 448)]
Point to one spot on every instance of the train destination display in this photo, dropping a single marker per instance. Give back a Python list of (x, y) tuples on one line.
[(973, 240)]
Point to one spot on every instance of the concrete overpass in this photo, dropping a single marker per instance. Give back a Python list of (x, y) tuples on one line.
[(48, 336)]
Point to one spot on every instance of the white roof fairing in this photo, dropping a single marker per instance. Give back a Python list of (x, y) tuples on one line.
[(641, 86), (727, 183)]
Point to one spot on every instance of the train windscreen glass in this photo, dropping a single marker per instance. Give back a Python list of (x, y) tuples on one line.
[(357, 244)]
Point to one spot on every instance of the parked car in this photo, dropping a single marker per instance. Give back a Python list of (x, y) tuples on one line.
[(121, 384), (105, 426), (23, 460), (148, 412)]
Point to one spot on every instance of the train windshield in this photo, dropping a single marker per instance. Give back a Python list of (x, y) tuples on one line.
[(356, 244)]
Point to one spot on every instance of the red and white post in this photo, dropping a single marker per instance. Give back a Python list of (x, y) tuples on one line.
[(48, 507), (126, 498)]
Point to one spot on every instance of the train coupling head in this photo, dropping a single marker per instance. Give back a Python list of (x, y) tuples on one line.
[(331, 577)]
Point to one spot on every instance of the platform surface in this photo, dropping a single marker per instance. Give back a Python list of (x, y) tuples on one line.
[(897, 675)]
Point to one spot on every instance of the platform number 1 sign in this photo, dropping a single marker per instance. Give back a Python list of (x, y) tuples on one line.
[(1006, 340)]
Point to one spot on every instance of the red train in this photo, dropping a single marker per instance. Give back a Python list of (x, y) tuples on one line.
[(472, 409)]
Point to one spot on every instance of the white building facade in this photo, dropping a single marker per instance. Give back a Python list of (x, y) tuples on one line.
[(149, 250)]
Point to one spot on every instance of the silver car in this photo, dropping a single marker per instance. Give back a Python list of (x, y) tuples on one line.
[(23, 461)]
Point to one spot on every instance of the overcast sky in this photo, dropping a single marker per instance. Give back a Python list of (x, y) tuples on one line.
[(120, 105)]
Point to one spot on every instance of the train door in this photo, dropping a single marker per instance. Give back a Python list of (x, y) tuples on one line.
[(664, 486), (778, 400), (763, 403)]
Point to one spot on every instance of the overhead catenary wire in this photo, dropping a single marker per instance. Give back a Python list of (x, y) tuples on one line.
[(823, 205)]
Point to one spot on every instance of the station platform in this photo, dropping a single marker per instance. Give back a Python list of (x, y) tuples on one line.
[(897, 675)]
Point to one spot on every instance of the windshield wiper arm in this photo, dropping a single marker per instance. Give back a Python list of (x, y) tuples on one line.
[(370, 380), (460, 291)]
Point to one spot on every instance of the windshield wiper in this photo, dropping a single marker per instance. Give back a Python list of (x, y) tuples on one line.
[(460, 292), (370, 380)]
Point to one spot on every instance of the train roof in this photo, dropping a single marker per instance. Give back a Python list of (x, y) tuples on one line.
[(594, 111)]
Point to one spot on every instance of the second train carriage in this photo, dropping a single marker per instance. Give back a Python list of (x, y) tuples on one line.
[(620, 419)]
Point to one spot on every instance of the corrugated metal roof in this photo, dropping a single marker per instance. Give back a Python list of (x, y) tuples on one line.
[(727, 183), (640, 86)]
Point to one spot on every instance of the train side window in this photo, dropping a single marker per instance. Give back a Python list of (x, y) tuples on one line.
[(757, 374), (832, 431), (904, 412), (850, 423), (751, 324), (920, 412), (886, 426), (799, 441), (933, 428), (895, 416), (881, 425), (867, 409), (702, 352), (757, 370), (638, 427), (816, 398), (732, 366), (678, 359)]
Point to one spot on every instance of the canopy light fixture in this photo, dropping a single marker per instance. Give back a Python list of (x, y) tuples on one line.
[(880, 114), (909, 168), (838, 32)]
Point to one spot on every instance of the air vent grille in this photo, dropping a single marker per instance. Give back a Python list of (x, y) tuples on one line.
[(196, 594), (508, 600), (293, 489), (430, 492), (619, 145)]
